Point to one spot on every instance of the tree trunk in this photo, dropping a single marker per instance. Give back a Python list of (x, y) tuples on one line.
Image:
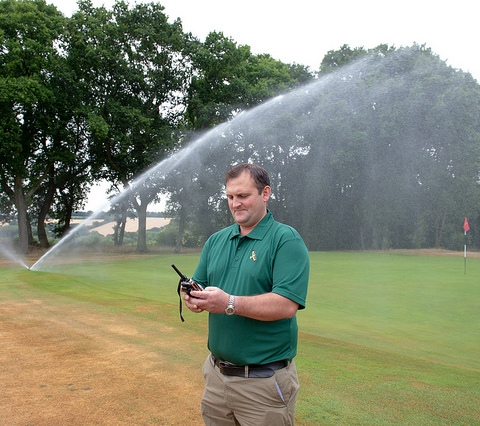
[(31, 241), (362, 238), (142, 228), (68, 215), (22, 216), (182, 220), (440, 223), (119, 230), (42, 215)]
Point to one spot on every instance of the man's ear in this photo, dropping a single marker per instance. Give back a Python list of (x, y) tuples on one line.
[(266, 193)]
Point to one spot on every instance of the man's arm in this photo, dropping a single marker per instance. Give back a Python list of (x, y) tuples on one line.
[(265, 307), (262, 307)]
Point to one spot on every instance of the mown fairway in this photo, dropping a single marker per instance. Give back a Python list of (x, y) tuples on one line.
[(387, 338)]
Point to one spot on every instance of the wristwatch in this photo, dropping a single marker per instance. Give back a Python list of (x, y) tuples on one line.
[(230, 309)]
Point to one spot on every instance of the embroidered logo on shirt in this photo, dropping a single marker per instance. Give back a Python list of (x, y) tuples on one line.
[(253, 256)]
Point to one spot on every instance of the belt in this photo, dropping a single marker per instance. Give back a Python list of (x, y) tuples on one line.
[(248, 371)]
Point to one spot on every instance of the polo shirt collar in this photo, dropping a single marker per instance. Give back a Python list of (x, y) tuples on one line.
[(259, 231)]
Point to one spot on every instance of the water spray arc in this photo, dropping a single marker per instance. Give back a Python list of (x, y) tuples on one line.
[(350, 148), (10, 254), (193, 156), (165, 166)]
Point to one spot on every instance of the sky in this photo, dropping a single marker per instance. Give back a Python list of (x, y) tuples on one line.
[(303, 31)]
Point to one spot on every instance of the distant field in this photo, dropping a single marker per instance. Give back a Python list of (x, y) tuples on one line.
[(131, 225), (387, 338)]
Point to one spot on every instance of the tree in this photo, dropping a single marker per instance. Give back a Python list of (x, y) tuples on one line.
[(30, 34), (394, 153), (135, 67), (382, 153), (229, 79), (336, 59)]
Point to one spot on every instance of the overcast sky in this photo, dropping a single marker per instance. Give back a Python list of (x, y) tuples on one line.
[(303, 31)]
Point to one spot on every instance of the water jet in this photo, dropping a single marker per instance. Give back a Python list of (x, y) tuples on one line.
[(360, 147), (9, 253)]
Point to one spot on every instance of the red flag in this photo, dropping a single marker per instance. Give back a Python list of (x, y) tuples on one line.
[(466, 227)]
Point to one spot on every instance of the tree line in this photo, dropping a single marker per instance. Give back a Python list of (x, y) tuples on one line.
[(103, 95), (382, 151), (379, 149)]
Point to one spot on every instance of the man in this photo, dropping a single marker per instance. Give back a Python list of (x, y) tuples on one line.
[(255, 275)]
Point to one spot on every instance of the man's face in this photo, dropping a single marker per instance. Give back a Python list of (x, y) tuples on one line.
[(247, 206)]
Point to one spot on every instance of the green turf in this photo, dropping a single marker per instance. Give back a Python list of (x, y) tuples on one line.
[(420, 306), (386, 338)]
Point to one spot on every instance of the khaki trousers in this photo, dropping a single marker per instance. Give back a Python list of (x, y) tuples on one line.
[(230, 400)]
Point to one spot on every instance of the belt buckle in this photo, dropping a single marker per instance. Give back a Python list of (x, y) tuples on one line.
[(220, 365), (223, 365)]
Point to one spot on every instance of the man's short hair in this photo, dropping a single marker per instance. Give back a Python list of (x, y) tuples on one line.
[(258, 174)]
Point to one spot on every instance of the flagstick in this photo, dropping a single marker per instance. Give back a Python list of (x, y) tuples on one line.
[(466, 228)]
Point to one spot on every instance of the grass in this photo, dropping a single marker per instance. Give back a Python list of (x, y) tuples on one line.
[(420, 306), (386, 338)]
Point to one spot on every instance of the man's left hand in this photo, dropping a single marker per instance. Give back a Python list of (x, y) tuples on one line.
[(211, 299)]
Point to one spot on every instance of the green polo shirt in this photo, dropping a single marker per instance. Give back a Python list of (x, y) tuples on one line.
[(271, 258)]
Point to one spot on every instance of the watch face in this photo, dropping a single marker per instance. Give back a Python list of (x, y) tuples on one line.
[(230, 310)]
